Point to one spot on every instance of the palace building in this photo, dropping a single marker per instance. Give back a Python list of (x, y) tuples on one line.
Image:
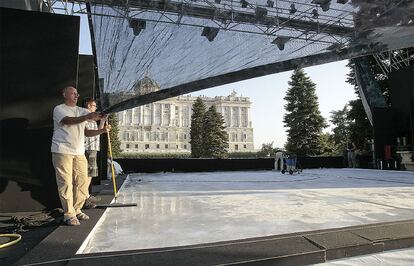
[(164, 126)]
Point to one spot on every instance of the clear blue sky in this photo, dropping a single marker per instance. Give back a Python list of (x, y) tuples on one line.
[(266, 94)]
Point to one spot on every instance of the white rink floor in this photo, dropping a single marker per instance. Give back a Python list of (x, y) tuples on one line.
[(177, 209)]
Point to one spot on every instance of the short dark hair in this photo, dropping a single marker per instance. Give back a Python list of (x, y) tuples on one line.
[(87, 101)]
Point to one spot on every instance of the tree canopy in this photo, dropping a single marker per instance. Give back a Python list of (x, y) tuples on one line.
[(303, 119)]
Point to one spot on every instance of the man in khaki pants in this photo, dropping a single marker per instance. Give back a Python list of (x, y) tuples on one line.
[(68, 154)]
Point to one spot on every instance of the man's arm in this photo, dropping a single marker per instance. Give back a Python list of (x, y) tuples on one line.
[(95, 132), (67, 120), (104, 120)]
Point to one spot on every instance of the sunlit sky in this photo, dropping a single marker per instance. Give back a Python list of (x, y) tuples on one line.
[(266, 94)]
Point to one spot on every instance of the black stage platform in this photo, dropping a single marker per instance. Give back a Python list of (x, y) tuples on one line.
[(58, 245)]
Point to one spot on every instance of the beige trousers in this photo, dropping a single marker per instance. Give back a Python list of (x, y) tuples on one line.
[(72, 182)]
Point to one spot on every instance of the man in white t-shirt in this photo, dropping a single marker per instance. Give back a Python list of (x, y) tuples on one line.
[(68, 154)]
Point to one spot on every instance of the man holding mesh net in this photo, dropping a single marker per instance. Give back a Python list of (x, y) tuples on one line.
[(68, 154)]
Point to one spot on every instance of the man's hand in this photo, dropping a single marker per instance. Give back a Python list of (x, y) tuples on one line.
[(107, 128)]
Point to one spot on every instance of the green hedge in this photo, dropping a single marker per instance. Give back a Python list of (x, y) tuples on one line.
[(132, 155)]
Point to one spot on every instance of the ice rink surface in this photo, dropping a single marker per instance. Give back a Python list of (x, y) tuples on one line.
[(176, 209)]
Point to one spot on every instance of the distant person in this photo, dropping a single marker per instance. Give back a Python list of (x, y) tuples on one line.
[(350, 148), (345, 156), (117, 169), (68, 154), (91, 151)]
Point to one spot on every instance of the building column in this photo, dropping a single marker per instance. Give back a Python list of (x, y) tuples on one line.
[(179, 116), (189, 114), (123, 118), (223, 113), (153, 114), (162, 114), (247, 117), (231, 116), (132, 116), (141, 115), (120, 118), (172, 114), (239, 116)]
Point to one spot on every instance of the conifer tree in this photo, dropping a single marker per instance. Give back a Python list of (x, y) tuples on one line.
[(113, 134), (303, 119), (196, 129), (215, 138)]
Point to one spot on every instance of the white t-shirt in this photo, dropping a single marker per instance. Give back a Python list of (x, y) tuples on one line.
[(68, 139)]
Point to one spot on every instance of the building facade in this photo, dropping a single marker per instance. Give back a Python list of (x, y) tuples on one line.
[(164, 126)]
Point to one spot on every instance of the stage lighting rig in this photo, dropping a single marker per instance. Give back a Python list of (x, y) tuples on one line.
[(315, 14), (137, 25), (280, 42), (324, 4), (270, 3), (210, 33), (261, 12), (292, 9)]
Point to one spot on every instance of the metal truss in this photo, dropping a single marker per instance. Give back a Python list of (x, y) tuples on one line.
[(394, 60), (228, 15), (66, 7)]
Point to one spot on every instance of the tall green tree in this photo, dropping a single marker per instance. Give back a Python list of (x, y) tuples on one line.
[(328, 146), (215, 137), (196, 129), (113, 134), (341, 123), (303, 119), (267, 150)]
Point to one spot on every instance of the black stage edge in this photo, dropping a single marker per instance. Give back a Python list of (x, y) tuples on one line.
[(289, 249), (64, 241), (210, 165)]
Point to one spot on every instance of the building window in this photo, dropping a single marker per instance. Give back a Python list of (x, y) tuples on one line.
[(146, 146), (234, 137), (158, 146), (127, 146), (136, 146), (166, 146), (185, 146), (176, 146), (236, 147), (185, 136), (245, 146)]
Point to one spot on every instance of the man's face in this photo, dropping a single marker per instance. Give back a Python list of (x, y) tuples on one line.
[(71, 95), (92, 106)]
